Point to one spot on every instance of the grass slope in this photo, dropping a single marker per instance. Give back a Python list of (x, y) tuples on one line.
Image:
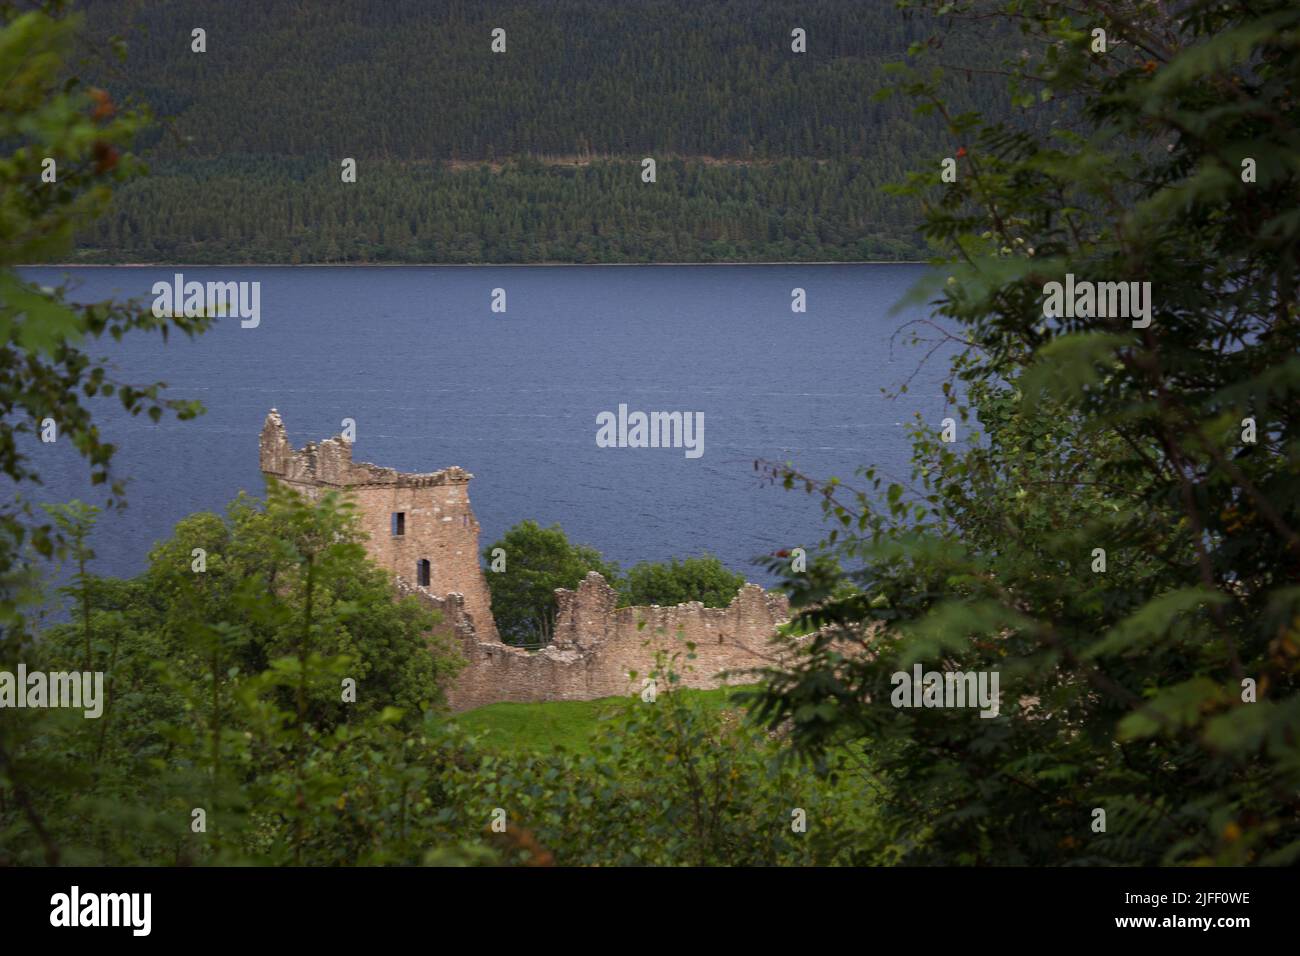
[(572, 724)]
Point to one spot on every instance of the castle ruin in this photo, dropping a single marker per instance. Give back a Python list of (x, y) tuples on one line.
[(421, 528)]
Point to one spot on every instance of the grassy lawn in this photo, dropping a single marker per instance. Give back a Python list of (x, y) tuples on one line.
[(571, 723)]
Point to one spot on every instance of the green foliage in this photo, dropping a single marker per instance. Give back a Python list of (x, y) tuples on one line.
[(259, 564), (1125, 689), (225, 664), (47, 372), (538, 561), (674, 782), (704, 579)]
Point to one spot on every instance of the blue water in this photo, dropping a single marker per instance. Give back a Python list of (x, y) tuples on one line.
[(433, 378)]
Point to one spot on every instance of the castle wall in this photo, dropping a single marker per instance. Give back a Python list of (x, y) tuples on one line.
[(597, 644)]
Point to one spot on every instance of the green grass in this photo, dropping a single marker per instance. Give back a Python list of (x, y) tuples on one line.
[(569, 723)]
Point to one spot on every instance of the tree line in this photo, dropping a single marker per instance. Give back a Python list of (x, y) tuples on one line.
[(296, 210)]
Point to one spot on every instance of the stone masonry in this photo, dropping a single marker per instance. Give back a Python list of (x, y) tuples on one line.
[(432, 550), (597, 645)]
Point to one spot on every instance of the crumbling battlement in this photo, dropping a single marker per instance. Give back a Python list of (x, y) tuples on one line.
[(432, 551), (330, 463)]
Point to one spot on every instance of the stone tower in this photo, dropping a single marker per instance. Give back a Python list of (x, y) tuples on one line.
[(418, 526)]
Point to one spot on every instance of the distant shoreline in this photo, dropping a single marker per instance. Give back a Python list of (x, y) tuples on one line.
[(442, 265)]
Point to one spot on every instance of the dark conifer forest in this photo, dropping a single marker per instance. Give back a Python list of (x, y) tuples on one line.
[(531, 155)]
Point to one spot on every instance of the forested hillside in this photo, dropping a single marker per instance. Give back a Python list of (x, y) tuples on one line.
[(296, 210), (762, 153)]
